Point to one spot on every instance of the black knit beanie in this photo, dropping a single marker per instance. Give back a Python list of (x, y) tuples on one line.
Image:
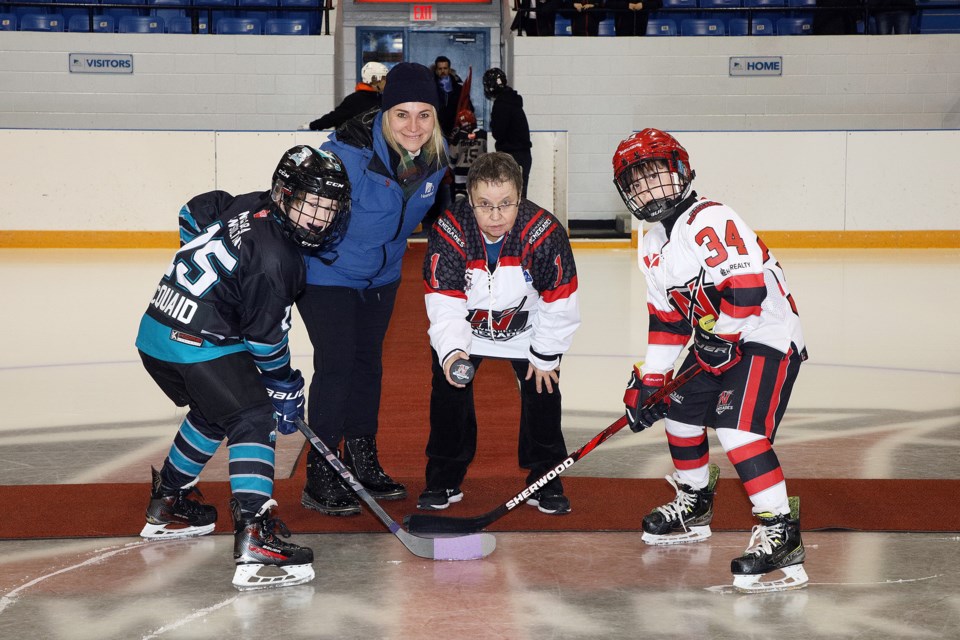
[(409, 82)]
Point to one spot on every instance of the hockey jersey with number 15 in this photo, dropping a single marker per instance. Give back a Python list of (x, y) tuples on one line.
[(707, 261), (525, 308), (229, 288)]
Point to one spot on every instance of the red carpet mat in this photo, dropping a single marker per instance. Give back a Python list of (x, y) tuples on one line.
[(599, 504)]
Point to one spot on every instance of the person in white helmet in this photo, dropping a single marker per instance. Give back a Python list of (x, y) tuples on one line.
[(366, 96)]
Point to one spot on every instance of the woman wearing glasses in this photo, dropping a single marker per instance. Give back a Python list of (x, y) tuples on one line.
[(500, 282)]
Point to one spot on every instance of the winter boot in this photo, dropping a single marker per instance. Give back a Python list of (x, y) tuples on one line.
[(172, 514), (326, 491), (360, 456), (687, 518), (256, 545), (775, 545)]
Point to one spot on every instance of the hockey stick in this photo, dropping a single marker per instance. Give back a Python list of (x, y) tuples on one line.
[(441, 524), (469, 547)]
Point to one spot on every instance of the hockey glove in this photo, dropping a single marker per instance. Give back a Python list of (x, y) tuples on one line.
[(641, 387), (715, 352), (287, 400)]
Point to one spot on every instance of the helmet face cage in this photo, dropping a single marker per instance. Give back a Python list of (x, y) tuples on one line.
[(652, 174), (373, 71), (494, 81), (304, 172)]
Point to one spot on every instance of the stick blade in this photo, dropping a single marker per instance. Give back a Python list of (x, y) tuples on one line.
[(421, 523), (469, 547)]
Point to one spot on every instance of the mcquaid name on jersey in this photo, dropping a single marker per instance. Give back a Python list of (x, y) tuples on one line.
[(174, 304)]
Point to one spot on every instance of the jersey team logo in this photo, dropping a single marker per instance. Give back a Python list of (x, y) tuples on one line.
[(723, 401), (504, 325)]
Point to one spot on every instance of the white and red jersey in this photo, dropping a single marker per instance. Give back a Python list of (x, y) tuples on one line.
[(711, 263), (523, 308)]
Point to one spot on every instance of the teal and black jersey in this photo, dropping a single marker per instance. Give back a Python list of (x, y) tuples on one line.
[(229, 288)]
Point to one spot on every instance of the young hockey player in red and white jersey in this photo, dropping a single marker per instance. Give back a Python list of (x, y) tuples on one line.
[(710, 277), (500, 282)]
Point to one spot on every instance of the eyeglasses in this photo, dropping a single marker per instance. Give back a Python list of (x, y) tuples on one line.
[(487, 209)]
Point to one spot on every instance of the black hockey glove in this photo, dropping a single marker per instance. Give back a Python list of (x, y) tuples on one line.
[(641, 387), (287, 400), (716, 353)]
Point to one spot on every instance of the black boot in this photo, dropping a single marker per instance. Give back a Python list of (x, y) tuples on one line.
[(325, 491), (360, 455)]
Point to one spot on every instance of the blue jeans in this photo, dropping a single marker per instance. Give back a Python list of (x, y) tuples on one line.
[(890, 22)]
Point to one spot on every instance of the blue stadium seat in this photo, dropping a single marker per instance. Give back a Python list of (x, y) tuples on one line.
[(679, 4), (661, 27), (795, 26), (168, 9), (714, 4), (562, 26), (69, 12), (8, 22), (702, 27), (178, 24), (286, 27), (741, 27), (303, 9), (607, 27), (764, 3), (140, 24), (939, 21), (41, 22), (101, 24), (239, 26), (119, 13), (262, 16)]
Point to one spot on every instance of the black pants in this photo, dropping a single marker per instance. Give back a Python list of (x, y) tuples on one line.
[(525, 160), (347, 328), (453, 428)]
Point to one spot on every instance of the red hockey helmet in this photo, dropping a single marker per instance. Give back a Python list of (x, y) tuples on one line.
[(466, 121), (652, 173)]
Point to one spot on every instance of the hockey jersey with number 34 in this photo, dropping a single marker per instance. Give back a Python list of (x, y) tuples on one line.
[(711, 263)]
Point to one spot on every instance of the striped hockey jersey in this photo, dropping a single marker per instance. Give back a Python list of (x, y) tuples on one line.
[(711, 263), (525, 308)]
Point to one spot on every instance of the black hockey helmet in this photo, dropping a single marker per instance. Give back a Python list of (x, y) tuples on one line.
[(305, 171), (494, 82)]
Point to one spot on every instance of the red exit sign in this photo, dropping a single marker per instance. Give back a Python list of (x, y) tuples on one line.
[(422, 13)]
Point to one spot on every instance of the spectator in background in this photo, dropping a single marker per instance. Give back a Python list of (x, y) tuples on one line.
[(508, 122), (632, 15), (450, 89), (892, 16), (839, 19), (466, 145), (536, 18), (365, 97), (585, 17)]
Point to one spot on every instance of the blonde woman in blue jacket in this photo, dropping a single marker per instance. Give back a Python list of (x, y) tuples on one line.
[(395, 159)]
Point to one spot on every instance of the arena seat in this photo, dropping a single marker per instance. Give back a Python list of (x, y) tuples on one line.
[(101, 24), (118, 13), (140, 24), (286, 27), (661, 27), (41, 22), (679, 4), (8, 22), (702, 27), (184, 24), (939, 21), (801, 26), (308, 10), (562, 26), (239, 26), (741, 27)]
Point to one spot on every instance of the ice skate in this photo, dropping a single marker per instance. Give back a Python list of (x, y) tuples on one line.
[(687, 518), (263, 560), (775, 545), (172, 514)]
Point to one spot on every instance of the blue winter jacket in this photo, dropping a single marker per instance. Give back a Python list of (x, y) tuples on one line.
[(380, 220)]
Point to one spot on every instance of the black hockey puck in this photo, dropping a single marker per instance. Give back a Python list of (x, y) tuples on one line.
[(462, 371)]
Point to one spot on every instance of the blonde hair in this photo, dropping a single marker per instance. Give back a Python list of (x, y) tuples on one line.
[(433, 148)]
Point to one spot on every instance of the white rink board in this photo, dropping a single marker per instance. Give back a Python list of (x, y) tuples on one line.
[(781, 181)]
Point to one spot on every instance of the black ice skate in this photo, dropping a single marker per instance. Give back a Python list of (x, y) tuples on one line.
[(325, 491), (687, 518), (775, 544), (172, 514), (360, 456), (256, 546)]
